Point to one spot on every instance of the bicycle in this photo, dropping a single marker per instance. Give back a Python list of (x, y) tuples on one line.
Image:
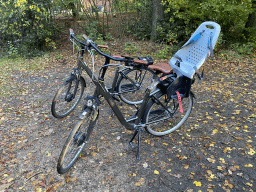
[(131, 79), (166, 105)]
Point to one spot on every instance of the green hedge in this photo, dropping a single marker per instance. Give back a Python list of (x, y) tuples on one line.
[(233, 16), (25, 27)]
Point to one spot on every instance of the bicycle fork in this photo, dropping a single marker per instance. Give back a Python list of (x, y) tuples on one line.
[(91, 110)]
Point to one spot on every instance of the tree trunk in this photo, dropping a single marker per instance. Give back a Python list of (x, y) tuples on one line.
[(157, 15)]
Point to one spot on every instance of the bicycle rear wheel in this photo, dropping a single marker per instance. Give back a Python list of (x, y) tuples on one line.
[(67, 98), (160, 121), (132, 85), (76, 141)]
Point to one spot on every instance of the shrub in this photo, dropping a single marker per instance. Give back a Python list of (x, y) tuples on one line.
[(25, 27), (185, 16)]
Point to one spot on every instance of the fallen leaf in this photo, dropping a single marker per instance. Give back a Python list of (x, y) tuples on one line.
[(156, 172), (214, 131), (222, 160), (251, 152), (197, 183), (211, 160), (9, 180), (249, 184), (145, 165)]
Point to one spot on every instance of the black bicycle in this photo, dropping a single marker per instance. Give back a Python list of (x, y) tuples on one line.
[(131, 79), (167, 103)]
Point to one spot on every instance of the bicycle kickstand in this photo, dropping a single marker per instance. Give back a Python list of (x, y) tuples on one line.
[(131, 145)]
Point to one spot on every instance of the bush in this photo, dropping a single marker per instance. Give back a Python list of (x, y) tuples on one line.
[(185, 16), (25, 27)]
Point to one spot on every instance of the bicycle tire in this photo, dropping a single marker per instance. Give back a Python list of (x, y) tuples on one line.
[(78, 137), (159, 121), (128, 93), (60, 106)]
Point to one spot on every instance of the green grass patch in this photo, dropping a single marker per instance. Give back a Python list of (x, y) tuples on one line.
[(9, 67)]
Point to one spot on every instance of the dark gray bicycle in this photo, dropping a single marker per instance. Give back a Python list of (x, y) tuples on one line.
[(159, 112), (131, 79)]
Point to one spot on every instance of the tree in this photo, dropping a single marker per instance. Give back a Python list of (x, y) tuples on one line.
[(157, 16), (25, 27)]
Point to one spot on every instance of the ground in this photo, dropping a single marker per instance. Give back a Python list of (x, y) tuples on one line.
[(213, 151)]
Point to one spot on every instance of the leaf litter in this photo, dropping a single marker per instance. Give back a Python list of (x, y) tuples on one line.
[(214, 150)]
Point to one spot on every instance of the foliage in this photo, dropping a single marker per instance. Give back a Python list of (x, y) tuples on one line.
[(185, 16), (140, 26), (25, 27)]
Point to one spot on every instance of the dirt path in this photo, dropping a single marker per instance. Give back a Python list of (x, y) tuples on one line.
[(213, 151)]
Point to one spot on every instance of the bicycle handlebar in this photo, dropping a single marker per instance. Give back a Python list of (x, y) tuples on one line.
[(90, 43)]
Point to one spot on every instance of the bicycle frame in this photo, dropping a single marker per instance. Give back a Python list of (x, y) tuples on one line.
[(101, 90)]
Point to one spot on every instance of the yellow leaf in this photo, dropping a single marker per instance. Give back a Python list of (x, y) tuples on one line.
[(249, 184), (251, 152), (5, 175), (197, 183), (137, 184), (134, 174), (156, 172), (237, 112), (212, 176), (9, 180), (39, 190), (248, 165), (165, 144), (211, 160), (222, 160), (169, 159), (93, 154), (209, 172), (186, 166), (169, 170), (214, 131)]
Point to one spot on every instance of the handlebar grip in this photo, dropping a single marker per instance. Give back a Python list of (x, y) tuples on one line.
[(137, 61), (71, 31), (103, 46)]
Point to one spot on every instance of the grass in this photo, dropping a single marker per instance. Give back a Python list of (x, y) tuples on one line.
[(159, 52), (9, 67)]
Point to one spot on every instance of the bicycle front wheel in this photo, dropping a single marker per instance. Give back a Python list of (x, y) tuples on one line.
[(132, 85), (76, 141), (67, 97), (160, 121)]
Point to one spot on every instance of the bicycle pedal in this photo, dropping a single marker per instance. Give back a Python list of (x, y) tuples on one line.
[(131, 146)]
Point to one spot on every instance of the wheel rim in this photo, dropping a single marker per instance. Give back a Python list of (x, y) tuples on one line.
[(72, 153), (160, 122), (133, 93), (64, 104), (73, 145)]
